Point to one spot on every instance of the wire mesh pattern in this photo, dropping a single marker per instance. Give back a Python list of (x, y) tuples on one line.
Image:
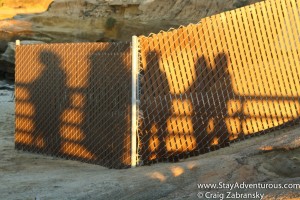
[(200, 87), (73, 101), (232, 76)]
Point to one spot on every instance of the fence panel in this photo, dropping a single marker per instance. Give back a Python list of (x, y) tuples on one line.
[(201, 87), (229, 77), (74, 101)]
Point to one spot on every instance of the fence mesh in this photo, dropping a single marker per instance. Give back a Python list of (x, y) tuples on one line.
[(73, 101), (229, 77), (201, 87)]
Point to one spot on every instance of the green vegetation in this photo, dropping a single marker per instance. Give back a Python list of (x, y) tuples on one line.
[(110, 23)]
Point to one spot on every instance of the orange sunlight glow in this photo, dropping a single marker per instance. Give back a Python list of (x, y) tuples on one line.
[(210, 126), (153, 143), (234, 107), (159, 176), (25, 109), (259, 124), (274, 108), (233, 125), (215, 141), (71, 133), (176, 70), (10, 8), (266, 148), (24, 124), (177, 171), (23, 137), (180, 125), (73, 116), (182, 107), (180, 143), (23, 93), (76, 150), (77, 100), (39, 142)]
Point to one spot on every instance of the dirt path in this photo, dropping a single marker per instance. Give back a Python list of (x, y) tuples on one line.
[(272, 158)]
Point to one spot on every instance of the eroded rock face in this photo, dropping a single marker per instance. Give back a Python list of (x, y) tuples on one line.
[(9, 9), (283, 163), (99, 20), (3, 46), (7, 59), (9, 54), (86, 20)]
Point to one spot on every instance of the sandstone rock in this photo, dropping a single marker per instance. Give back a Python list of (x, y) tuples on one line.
[(9, 54), (7, 59), (3, 46), (9, 9), (6, 68), (85, 20)]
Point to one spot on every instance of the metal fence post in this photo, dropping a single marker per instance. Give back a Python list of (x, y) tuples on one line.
[(134, 106)]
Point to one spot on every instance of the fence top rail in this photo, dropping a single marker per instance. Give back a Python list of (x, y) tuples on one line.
[(250, 7), (18, 42)]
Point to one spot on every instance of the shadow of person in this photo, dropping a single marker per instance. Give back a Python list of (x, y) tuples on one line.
[(201, 104), (223, 93), (211, 91), (48, 94), (107, 108), (156, 109)]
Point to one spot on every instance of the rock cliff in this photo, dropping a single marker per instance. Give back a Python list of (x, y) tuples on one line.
[(100, 20)]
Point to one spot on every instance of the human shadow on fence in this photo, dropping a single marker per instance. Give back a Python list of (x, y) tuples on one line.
[(41, 112), (191, 122), (84, 117), (108, 99), (207, 115), (211, 91), (155, 101), (82, 111)]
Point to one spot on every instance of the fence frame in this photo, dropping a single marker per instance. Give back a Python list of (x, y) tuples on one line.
[(217, 25), (134, 100)]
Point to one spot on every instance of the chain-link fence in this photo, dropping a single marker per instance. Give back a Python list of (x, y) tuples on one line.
[(229, 77), (199, 88), (74, 100)]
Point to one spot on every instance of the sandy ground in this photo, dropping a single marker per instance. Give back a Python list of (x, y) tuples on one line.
[(272, 158)]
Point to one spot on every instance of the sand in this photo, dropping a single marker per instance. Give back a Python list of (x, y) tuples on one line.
[(272, 158)]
